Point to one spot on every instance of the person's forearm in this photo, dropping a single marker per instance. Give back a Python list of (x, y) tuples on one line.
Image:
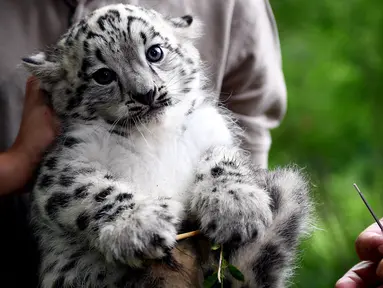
[(15, 171)]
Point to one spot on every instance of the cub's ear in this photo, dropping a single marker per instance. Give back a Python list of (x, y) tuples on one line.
[(46, 71), (186, 26), (182, 22)]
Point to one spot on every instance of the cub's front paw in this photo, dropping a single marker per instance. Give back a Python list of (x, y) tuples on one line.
[(234, 214), (147, 231)]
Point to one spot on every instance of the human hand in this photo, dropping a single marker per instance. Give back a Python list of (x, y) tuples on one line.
[(369, 272), (38, 126)]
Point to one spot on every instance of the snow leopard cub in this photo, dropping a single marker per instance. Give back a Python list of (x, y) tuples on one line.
[(143, 149)]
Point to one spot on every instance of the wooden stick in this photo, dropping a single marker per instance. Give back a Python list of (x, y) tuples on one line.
[(187, 235)]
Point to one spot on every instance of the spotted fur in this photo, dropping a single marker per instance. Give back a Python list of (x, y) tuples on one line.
[(144, 150)]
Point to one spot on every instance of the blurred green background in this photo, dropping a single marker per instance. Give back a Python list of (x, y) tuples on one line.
[(333, 63)]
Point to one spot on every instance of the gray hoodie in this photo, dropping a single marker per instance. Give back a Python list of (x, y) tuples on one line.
[(240, 46)]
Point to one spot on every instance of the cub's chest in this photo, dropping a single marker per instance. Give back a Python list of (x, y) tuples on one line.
[(160, 158)]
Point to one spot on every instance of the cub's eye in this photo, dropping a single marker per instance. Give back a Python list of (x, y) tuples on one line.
[(104, 76), (154, 54)]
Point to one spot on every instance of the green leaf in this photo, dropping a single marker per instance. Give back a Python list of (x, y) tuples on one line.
[(215, 247), (224, 264), (210, 281), (236, 273)]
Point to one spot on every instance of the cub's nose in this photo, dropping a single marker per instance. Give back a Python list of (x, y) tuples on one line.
[(146, 99)]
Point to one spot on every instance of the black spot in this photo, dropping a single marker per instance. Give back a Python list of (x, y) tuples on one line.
[(91, 110), (135, 109), (164, 206), (212, 226), (86, 170), (45, 181), (101, 276), (69, 266), (229, 163), (80, 91), (171, 262), (103, 194), (49, 267), (235, 195), (99, 56), (199, 177), (235, 174), (77, 254), (124, 196), (217, 171), (82, 191), (92, 35), (167, 218), (86, 47), (158, 241), (178, 52), (71, 141), (188, 80), (56, 201), (115, 13), (73, 102), (254, 235), (131, 205), (290, 230), (102, 212), (82, 221), (191, 109), (186, 90), (236, 239), (143, 37), (51, 163), (214, 190), (276, 198), (85, 65), (188, 19), (66, 180), (108, 176), (59, 282), (100, 23), (267, 265), (116, 213)]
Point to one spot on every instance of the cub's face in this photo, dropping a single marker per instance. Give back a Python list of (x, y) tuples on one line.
[(120, 63)]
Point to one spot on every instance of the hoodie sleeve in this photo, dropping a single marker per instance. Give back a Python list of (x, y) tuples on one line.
[(254, 86)]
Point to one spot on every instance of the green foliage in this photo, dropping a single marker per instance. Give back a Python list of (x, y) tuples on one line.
[(217, 279), (236, 273), (333, 65)]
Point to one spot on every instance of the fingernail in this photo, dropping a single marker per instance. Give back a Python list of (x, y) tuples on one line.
[(345, 283)]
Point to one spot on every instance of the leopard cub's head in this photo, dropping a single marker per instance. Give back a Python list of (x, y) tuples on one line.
[(120, 63)]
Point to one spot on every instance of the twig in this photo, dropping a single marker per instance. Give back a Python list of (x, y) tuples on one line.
[(187, 235), (368, 207), (220, 264)]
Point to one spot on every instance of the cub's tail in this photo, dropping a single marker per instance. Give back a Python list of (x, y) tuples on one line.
[(269, 262)]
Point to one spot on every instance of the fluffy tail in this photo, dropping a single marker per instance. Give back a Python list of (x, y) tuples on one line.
[(269, 262)]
